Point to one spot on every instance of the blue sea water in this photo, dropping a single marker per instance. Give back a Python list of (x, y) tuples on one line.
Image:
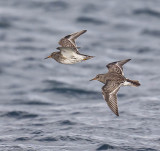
[(46, 106)]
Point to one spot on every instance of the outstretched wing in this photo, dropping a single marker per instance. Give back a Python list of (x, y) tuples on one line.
[(109, 91), (117, 66), (69, 40)]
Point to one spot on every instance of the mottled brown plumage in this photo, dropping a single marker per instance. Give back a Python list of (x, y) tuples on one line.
[(113, 80), (69, 53), (69, 40)]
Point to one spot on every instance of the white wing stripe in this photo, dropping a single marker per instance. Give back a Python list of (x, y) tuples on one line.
[(119, 68)]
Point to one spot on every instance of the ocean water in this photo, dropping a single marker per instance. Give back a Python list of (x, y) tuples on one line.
[(47, 106)]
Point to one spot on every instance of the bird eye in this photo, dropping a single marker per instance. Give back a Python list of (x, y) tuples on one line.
[(97, 76)]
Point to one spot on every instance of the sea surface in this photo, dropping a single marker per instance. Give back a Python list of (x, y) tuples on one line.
[(47, 106)]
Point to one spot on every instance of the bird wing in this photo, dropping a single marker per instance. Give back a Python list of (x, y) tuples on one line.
[(67, 52), (109, 91), (69, 40), (117, 66)]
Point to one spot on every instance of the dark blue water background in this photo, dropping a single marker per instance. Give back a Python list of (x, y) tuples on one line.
[(46, 106)]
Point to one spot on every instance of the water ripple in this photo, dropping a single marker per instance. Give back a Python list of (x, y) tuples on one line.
[(89, 20), (30, 102), (22, 139), (146, 11), (74, 138), (48, 139), (55, 6), (71, 91), (4, 24), (105, 147), (37, 132), (150, 32), (64, 88), (89, 8), (66, 122), (19, 115), (6, 21)]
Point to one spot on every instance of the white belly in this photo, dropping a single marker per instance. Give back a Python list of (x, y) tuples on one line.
[(73, 58), (71, 61)]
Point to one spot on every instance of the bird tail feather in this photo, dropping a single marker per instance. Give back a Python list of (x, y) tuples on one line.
[(133, 82)]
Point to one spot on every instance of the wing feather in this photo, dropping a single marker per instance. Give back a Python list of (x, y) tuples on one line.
[(117, 66), (109, 91), (69, 40)]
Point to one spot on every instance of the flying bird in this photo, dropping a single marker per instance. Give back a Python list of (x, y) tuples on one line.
[(68, 52), (112, 81)]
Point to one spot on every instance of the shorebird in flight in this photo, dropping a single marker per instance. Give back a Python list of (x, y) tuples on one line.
[(113, 80), (68, 52)]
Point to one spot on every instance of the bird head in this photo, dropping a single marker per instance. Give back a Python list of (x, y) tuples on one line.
[(98, 77), (51, 56)]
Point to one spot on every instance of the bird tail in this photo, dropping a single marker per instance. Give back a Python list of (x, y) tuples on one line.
[(133, 82)]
